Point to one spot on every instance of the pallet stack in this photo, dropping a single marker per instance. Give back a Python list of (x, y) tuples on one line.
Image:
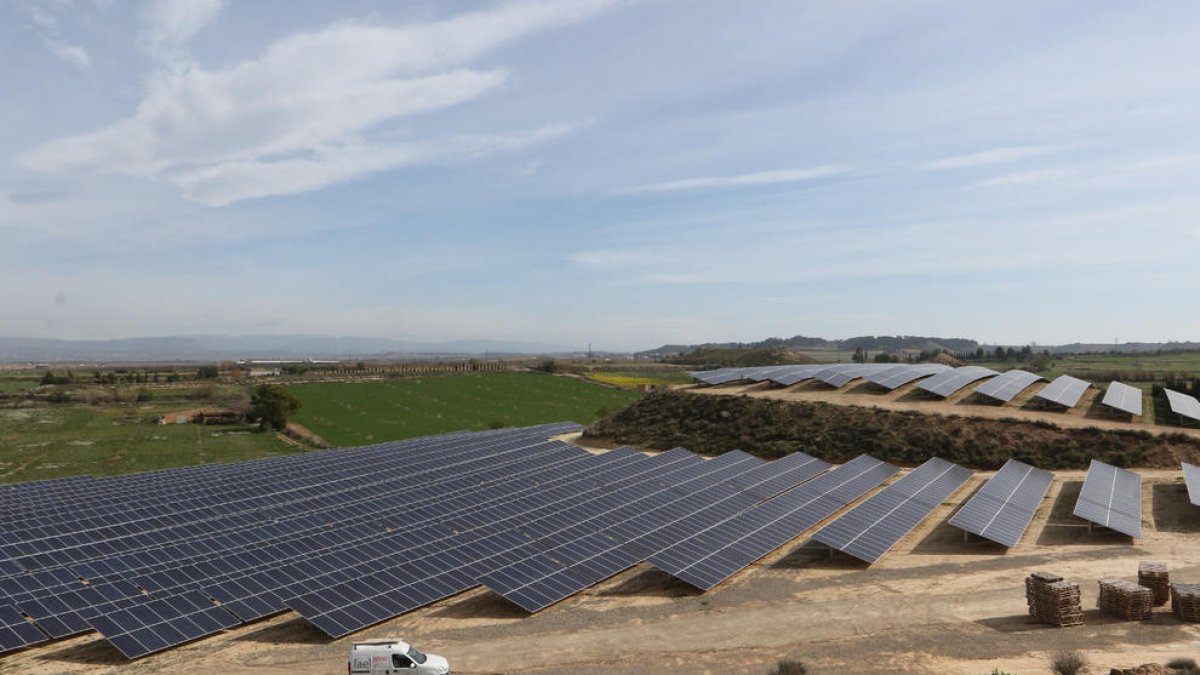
[(1153, 575), (1125, 599), (1052, 600), (1185, 602)]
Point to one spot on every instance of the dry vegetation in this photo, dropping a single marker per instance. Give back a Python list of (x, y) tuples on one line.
[(771, 428)]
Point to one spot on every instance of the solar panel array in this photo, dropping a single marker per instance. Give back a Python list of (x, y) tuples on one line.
[(1183, 405), (721, 550), (946, 383), (352, 537), (1064, 390), (1191, 476), (1007, 385), (642, 526), (1112, 497), (898, 376), (872, 528), (141, 558), (1002, 510), (1123, 397)]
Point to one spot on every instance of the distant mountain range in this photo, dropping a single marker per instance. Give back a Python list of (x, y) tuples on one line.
[(800, 342), (874, 343), (224, 347), (1125, 347)]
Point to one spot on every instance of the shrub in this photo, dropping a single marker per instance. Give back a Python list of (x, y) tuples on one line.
[(789, 667), (1183, 663), (1068, 663)]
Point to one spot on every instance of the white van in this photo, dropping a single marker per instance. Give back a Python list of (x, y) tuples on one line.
[(393, 655)]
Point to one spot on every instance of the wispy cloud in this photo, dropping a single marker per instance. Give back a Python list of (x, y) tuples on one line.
[(169, 24), (1028, 178), (48, 30), (989, 157), (745, 179), (229, 182), (303, 114)]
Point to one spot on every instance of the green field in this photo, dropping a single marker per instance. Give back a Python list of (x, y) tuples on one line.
[(369, 412), (633, 378), (68, 440), (1091, 366)]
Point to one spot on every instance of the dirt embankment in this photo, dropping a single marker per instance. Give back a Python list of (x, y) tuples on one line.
[(772, 428)]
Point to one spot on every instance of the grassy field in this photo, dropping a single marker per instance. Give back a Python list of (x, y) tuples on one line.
[(8, 385), (68, 440), (1089, 367), (368, 412), (636, 378)]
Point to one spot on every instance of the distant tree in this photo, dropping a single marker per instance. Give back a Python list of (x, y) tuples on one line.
[(207, 372), (548, 366), (360, 365), (272, 405), (859, 355), (1001, 354), (980, 354), (1041, 362), (51, 378)]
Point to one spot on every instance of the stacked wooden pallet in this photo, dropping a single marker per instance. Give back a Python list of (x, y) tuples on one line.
[(1052, 600), (1153, 575), (1125, 599), (1185, 601)]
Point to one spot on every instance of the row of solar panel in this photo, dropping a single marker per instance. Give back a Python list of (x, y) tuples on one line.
[(114, 598), (943, 381), (535, 522)]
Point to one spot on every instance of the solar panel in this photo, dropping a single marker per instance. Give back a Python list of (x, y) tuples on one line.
[(844, 376), (1183, 405), (1064, 390), (1123, 397), (946, 383), (898, 376), (872, 528), (156, 625), (1002, 510), (15, 631), (714, 554), (1191, 476), (1112, 497), (1007, 385), (796, 374)]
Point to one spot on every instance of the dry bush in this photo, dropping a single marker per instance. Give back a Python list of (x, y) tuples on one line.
[(1068, 663)]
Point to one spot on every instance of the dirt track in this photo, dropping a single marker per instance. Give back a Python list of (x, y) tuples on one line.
[(933, 605)]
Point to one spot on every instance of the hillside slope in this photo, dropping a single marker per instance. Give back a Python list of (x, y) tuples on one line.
[(770, 429)]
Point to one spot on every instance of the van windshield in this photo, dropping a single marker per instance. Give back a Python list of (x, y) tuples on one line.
[(415, 655)]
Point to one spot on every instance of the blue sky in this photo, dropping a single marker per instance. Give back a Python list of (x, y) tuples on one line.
[(619, 173)]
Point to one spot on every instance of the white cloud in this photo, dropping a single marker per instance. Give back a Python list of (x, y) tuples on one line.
[(300, 116), (988, 157), (48, 29), (168, 24), (1026, 178), (229, 182), (747, 179)]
